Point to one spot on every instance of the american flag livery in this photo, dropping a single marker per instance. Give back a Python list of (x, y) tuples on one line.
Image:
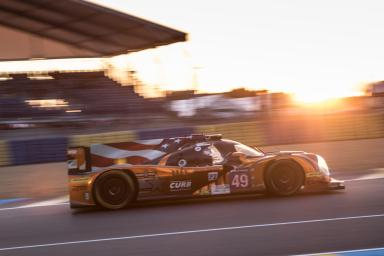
[(134, 152), (115, 175)]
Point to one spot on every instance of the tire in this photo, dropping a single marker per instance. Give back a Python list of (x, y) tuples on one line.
[(114, 190), (284, 178)]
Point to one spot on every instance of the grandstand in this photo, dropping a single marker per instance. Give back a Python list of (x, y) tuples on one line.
[(48, 29), (81, 93)]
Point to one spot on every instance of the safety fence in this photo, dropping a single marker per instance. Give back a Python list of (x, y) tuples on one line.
[(273, 131)]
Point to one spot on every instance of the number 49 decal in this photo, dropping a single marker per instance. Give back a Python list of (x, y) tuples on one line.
[(239, 180)]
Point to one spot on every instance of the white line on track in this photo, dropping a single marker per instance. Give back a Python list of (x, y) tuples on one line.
[(27, 206), (339, 252), (191, 232), (52, 202), (373, 176), (55, 201)]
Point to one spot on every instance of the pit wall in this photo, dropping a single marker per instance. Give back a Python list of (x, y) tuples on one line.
[(273, 131)]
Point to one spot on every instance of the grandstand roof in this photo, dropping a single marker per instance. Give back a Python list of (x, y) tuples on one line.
[(74, 28)]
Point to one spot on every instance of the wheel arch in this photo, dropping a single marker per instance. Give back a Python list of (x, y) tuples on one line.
[(129, 172), (135, 181), (273, 161)]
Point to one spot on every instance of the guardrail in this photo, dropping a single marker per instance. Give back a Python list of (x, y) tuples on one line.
[(38, 150), (284, 130), (4, 154)]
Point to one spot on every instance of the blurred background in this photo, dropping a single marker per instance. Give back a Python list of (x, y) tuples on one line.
[(268, 74), (277, 74)]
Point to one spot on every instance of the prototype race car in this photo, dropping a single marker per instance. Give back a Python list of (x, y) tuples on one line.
[(114, 175)]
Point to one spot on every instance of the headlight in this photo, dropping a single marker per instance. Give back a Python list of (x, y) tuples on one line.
[(323, 167)]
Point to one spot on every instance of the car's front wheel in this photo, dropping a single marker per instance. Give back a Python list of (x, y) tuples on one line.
[(114, 190), (284, 178)]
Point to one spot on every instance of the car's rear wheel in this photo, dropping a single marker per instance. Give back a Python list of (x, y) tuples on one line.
[(284, 178), (114, 190)]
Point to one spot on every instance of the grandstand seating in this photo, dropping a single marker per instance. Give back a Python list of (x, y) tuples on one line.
[(90, 92)]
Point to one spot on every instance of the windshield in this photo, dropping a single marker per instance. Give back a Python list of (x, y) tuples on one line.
[(247, 150)]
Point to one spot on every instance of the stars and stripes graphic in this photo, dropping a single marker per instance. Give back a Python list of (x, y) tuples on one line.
[(134, 152)]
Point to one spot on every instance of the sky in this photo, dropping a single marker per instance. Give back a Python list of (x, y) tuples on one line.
[(316, 49), (321, 48)]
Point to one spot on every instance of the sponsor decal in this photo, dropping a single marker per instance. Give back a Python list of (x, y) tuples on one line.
[(314, 174), (179, 172), (147, 174), (213, 176), (72, 152), (72, 164), (180, 185), (220, 189), (204, 191), (202, 144), (182, 162), (239, 180), (81, 179), (79, 188), (207, 152)]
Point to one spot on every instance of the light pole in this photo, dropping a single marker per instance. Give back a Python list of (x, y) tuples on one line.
[(195, 80)]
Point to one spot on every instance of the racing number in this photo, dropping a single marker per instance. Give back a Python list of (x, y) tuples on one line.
[(240, 181)]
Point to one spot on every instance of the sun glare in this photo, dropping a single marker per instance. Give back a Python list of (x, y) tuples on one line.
[(323, 94), (313, 97)]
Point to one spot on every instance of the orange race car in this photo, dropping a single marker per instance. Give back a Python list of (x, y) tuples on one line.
[(114, 175)]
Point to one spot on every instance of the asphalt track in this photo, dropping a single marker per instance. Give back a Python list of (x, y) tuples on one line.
[(242, 225)]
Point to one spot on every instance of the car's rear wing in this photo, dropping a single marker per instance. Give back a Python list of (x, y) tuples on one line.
[(78, 160)]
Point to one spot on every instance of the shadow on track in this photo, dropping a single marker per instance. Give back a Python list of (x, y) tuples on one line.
[(220, 199)]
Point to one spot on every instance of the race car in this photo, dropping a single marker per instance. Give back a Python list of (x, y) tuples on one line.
[(115, 175)]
